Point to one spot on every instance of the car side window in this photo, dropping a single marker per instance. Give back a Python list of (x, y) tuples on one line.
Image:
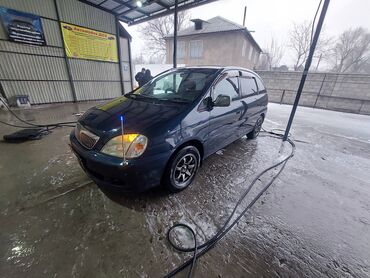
[(261, 87), (248, 86), (227, 86)]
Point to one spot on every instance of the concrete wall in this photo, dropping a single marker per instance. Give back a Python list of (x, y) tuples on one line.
[(219, 49), (42, 71), (340, 92)]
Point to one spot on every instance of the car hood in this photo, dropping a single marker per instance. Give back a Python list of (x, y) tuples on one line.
[(139, 116)]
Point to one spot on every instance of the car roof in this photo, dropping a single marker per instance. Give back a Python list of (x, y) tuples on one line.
[(219, 68)]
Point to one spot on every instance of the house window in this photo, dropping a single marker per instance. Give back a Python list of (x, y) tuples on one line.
[(196, 49), (256, 57), (181, 50), (244, 48), (250, 53)]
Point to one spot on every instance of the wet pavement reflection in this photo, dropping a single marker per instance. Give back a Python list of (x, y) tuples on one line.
[(313, 221)]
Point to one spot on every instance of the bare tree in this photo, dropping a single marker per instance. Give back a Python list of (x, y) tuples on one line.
[(153, 32), (263, 63), (273, 55), (139, 60), (300, 42), (366, 67), (351, 52)]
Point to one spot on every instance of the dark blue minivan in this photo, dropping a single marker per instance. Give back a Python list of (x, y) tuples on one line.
[(161, 132)]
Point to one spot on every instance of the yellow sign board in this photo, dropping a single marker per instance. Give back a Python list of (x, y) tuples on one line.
[(89, 44)]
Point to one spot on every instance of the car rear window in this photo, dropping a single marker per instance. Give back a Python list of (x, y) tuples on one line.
[(261, 87)]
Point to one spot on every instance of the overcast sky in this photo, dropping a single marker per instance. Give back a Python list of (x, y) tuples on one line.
[(274, 18)]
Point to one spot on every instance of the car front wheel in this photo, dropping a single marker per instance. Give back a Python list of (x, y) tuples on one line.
[(182, 169)]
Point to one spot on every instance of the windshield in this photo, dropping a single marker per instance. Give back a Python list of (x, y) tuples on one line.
[(183, 85)]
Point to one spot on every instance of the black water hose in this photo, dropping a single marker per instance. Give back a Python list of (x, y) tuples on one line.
[(32, 125), (226, 227)]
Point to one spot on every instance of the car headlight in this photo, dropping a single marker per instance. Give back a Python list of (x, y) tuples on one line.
[(134, 145)]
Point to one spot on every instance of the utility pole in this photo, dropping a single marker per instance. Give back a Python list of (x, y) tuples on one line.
[(307, 67), (245, 14), (318, 62)]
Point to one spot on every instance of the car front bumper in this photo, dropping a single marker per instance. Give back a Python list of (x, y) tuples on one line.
[(107, 171)]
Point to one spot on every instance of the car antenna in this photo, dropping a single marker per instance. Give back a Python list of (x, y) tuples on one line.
[(124, 162)]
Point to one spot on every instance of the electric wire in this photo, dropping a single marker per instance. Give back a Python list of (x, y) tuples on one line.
[(227, 226), (14, 125), (19, 126), (26, 207), (33, 125), (314, 20)]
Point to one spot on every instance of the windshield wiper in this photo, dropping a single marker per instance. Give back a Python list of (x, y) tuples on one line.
[(172, 99), (140, 96), (175, 99)]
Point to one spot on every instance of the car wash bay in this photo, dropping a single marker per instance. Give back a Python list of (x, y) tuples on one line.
[(313, 221)]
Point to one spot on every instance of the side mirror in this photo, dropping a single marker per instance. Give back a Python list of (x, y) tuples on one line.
[(222, 101), (208, 103)]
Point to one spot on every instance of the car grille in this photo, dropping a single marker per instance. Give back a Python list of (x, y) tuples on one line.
[(85, 137)]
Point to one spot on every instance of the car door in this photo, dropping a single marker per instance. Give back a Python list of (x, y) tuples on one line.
[(262, 98), (224, 121), (250, 100)]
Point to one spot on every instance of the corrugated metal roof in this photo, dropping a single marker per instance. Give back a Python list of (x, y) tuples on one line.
[(40, 7), (84, 15), (97, 90), (128, 11), (215, 25), (8, 46), (30, 67), (52, 32), (39, 92), (94, 70)]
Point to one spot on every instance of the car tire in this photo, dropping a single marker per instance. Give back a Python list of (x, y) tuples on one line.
[(182, 169), (257, 128)]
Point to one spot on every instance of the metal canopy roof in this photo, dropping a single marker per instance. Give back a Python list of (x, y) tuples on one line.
[(128, 11)]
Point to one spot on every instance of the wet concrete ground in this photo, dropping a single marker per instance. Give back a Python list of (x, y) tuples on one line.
[(314, 221)]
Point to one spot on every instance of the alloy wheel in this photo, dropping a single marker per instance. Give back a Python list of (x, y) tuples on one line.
[(185, 169), (258, 126)]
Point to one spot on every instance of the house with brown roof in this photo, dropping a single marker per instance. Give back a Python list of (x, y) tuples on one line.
[(216, 41)]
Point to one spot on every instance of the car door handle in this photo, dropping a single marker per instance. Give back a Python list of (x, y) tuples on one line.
[(238, 112)]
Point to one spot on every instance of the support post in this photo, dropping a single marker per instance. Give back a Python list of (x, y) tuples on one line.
[(362, 104), (307, 67), (282, 97), (318, 94), (318, 62), (65, 55), (175, 35), (130, 63), (2, 93), (119, 55)]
